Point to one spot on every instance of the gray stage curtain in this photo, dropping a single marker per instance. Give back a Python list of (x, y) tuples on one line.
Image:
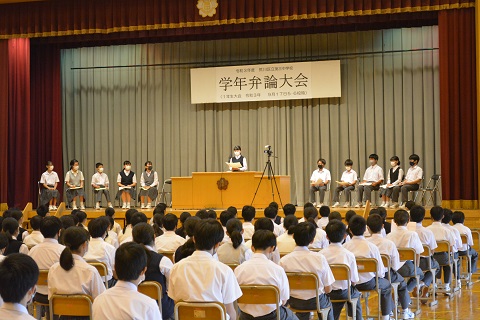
[(115, 108)]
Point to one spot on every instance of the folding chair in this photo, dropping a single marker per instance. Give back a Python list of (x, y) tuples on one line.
[(353, 194), (432, 188), (152, 289), (163, 194), (307, 281), (427, 254), (388, 264), (74, 305), (444, 246), (260, 294), (232, 265), (102, 270), (42, 281), (200, 310), (367, 265), (468, 274), (407, 254), (341, 272), (168, 254), (415, 191)]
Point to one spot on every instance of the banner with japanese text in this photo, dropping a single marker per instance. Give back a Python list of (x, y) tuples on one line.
[(260, 82)]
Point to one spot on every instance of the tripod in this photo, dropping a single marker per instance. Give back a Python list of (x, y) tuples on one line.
[(271, 176)]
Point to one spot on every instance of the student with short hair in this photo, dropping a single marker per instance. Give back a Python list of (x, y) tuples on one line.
[(183, 217), (335, 253), (248, 214), (169, 241), (260, 270), (334, 215), (324, 213), (285, 242), (126, 181), (372, 178), (289, 209), (18, 215), (233, 252), (42, 210), (458, 219), (447, 218), (74, 181), (101, 185), (301, 259), (263, 224), (349, 180), (387, 226), (319, 181), (18, 276), (187, 280), (158, 267), (110, 212), (375, 211), (310, 214), (271, 213), (49, 182), (10, 229), (278, 220), (3, 245), (362, 248), (187, 249), (36, 236), (411, 182), (123, 301)]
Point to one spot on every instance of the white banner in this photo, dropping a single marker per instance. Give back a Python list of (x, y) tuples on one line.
[(278, 81)]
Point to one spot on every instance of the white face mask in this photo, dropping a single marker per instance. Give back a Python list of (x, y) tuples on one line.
[(393, 163), (128, 168), (372, 162), (237, 153), (100, 170), (75, 168)]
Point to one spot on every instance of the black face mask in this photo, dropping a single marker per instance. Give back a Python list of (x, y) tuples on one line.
[(149, 168), (320, 166), (412, 163)]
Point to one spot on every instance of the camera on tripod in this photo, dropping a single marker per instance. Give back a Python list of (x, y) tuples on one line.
[(268, 150)]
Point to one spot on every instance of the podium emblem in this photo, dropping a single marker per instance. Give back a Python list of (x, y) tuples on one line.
[(222, 184)]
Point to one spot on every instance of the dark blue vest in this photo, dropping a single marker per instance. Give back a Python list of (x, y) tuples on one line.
[(234, 160), (126, 180), (153, 274)]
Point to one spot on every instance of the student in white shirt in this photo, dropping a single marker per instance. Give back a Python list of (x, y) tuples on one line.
[(98, 249), (372, 179), (303, 260), (137, 217), (126, 181), (127, 230), (237, 157), (82, 277), (233, 252), (286, 243), (188, 280), (458, 219), (49, 192), (123, 301), (148, 184), (319, 181), (11, 229), (101, 185), (335, 253), (260, 270), (18, 276), (387, 247), (311, 215), (75, 183), (271, 213), (263, 224), (36, 236), (225, 216), (324, 213), (362, 248), (447, 218), (112, 237), (169, 241), (248, 214), (411, 182), (349, 179), (394, 177)]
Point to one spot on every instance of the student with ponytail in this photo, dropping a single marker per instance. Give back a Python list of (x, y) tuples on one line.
[(234, 250), (10, 227), (82, 277)]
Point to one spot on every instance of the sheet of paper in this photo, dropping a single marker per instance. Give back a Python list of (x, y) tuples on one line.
[(236, 165), (74, 188), (366, 184), (121, 188), (342, 183), (385, 186)]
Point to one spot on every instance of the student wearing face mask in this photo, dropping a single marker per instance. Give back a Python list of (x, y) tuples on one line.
[(148, 183), (411, 182), (49, 182), (75, 185), (126, 180), (237, 157), (372, 178), (394, 177), (319, 181), (348, 179), (100, 186)]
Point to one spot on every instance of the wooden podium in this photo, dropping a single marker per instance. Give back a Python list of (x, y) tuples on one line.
[(224, 189)]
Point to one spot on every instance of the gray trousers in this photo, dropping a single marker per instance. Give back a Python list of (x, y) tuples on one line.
[(404, 190), (338, 306), (443, 259), (403, 295), (408, 270), (365, 192), (320, 189), (285, 314), (347, 190), (386, 302), (473, 258), (98, 195), (323, 300)]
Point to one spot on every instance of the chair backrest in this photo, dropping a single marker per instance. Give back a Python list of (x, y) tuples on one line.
[(79, 305), (407, 254), (464, 239), (152, 289), (341, 272), (102, 270), (443, 246), (315, 249), (283, 254), (476, 239), (436, 177), (427, 252), (365, 265), (42, 278), (259, 294), (303, 281), (232, 265), (200, 310), (168, 254)]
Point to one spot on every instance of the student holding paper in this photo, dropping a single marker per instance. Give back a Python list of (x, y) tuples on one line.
[(372, 179), (319, 181), (74, 180), (148, 183), (100, 186), (237, 158), (346, 184), (126, 180), (394, 177)]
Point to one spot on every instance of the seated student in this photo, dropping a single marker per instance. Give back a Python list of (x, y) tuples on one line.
[(160, 209), (248, 214), (271, 213), (82, 277), (324, 213), (259, 270), (158, 225), (10, 229), (49, 192), (225, 216), (458, 219), (187, 278), (263, 224), (375, 211), (442, 234), (289, 209), (362, 248), (110, 212), (18, 276), (148, 183), (394, 177), (411, 182), (286, 243), (82, 219), (111, 235), (372, 179), (137, 217), (233, 251), (98, 249), (158, 267), (123, 301), (75, 181), (319, 181), (18, 215), (334, 215), (404, 238), (411, 225), (42, 211), (36, 236), (213, 215), (127, 230), (387, 226), (301, 259), (169, 241), (311, 215), (3, 245), (181, 231), (278, 220), (335, 253), (447, 218), (187, 249), (349, 179), (126, 181), (387, 247), (101, 185)]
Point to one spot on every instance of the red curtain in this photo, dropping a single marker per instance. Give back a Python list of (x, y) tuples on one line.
[(458, 104), (3, 120)]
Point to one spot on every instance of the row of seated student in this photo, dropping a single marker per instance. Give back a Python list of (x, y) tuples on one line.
[(259, 258)]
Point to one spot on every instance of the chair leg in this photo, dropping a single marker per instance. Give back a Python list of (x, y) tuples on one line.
[(324, 313), (434, 301), (395, 300)]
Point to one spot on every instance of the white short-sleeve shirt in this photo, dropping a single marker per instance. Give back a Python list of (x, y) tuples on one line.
[(373, 174), (387, 247), (46, 254), (286, 243), (323, 174), (335, 253), (99, 250), (464, 230), (426, 236), (49, 178), (414, 173), (349, 176), (169, 241), (14, 311), (362, 248)]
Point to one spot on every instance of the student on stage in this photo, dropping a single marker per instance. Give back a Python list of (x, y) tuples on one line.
[(126, 180), (411, 182), (36, 236), (233, 251), (11, 230), (394, 177), (319, 181), (349, 179), (248, 214), (372, 179), (101, 186), (148, 184), (169, 241), (75, 185), (237, 157), (49, 192), (123, 301)]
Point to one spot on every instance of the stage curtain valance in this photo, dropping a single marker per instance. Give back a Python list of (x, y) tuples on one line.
[(81, 17)]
